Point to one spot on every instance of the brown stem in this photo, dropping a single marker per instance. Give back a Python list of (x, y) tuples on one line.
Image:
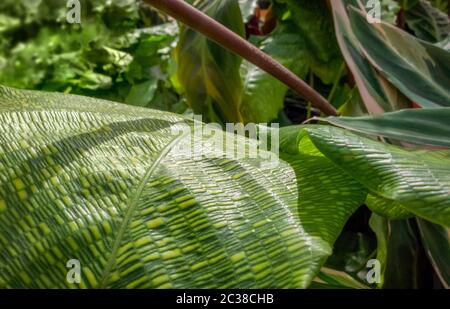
[(220, 34), (401, 20)]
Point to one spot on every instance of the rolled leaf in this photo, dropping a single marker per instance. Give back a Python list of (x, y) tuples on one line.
[(419, 126)]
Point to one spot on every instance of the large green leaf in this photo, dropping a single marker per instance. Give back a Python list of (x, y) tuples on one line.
[(420, 126), (314, 26), (339, 197), (263, 95), (377, 94), (106, 184), (418, 180), (418, 69), (208, 72)]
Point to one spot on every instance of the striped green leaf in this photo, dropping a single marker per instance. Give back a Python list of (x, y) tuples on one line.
[(428, 22), (387, 208), (419, 126), (340, 195), (378, 95), (418, 69), (107, 185), (418, 180)]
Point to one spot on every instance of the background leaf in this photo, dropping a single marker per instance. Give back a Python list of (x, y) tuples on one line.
[(209, 73), (420, 126), (314, 26), (418, 69), (263, 95), (377, 94), (436, 241), (427, 22), (403, 263)]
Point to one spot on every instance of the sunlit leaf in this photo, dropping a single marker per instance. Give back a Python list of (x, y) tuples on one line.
[(105, 183), (418, 180)]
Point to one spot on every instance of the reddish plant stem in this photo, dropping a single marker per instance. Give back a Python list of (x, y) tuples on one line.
[(220, 34), (401, 21)]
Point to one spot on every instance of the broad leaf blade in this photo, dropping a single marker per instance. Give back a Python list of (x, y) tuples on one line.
[(418, 180), (104, 183)]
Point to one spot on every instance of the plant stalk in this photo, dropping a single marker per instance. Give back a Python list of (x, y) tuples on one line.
[(223, 36)]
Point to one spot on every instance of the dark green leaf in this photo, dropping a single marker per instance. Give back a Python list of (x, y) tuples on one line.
[(398, 253), (436, 241), (314, 25), (427, 22)]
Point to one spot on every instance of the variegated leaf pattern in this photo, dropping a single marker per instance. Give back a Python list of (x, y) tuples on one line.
[(104, 183)]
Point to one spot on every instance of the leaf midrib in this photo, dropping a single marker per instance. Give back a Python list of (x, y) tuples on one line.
[(134, 199)]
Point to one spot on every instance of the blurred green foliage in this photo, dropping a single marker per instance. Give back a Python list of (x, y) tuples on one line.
[(120, 51)]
